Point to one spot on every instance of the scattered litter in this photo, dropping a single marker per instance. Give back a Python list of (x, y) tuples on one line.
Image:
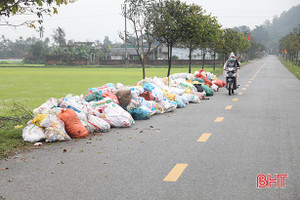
[(19, 126), (38, 144)]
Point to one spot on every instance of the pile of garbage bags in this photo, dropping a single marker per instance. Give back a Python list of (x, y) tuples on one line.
[(117, 106)]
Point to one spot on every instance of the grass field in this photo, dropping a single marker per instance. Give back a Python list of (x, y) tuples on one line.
[(33, 86)]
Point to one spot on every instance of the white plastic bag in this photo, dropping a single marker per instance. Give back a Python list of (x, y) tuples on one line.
[(33, 133), (214, 87), (49, 121), (45, 107), (96, 124), (117, 116)]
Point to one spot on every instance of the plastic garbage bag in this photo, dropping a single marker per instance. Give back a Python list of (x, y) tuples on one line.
[(32, 133), (107, 88), (193, 98), (180, 103), (112, 97), (48, 121), (56, 132), (199, 87), (169, 95), (140, 114), (117, 116), (97, 124), (136, 91), (48, 105), (73, 126), (200, 95), (124, 96), (155, 91), (208, 90), (214, 87), (220, 83), (38, 119), (147, 96), (167, 105), (94, 96), (71, 102)]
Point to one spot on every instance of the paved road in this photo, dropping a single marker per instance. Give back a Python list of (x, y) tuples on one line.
[(259, 134)]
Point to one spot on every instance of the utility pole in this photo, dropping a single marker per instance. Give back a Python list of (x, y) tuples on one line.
[(126, 53)]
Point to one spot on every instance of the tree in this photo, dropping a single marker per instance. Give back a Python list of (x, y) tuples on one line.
[(106, 41), (41, 31), (9, 8), (168, 25), (140, 14), (210, 37), (59, 37), (193, 28), (234, 42)]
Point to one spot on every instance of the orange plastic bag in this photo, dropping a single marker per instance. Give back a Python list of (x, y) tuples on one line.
[(112, 96), (73, 126), (147, 96), (220, 83), (206, 80)]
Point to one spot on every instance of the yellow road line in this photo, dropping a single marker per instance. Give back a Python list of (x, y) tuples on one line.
[(244, 89), (219, 119), (235, 99), (240, 93), (228, 107), (204, 137), (247, 85), (249, 81), (175, 173)]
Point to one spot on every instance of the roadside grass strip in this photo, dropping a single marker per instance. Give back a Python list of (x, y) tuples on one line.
[(175, 173), (204, 137)]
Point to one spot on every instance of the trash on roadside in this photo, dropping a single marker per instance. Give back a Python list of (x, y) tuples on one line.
[(106, 107)]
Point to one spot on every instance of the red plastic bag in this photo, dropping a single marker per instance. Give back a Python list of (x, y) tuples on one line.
[(206, 80), (147, 96), (112, 96), (220, 83), (73, 126)]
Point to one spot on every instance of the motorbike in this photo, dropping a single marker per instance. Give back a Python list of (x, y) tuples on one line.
[(230, 74)]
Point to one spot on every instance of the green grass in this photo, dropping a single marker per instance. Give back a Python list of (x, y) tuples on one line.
[(33, 86), (10, 138), (293, 68)]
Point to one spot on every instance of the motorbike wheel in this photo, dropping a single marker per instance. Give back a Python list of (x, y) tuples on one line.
[(230, 88)]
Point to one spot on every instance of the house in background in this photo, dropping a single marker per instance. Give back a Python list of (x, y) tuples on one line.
[(158, 53)]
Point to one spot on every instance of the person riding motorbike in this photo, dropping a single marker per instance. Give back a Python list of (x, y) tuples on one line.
[(232, 60)]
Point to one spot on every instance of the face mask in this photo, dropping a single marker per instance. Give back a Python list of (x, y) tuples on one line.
[(231, 58)]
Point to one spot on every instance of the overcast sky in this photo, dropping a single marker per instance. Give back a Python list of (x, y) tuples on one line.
[(90, 20)]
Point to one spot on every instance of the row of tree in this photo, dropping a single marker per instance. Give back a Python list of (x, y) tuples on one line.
[(37, 50), (176, 24), (289, 46)]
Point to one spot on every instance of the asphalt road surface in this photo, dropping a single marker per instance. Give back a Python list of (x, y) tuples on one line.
[(166, 158)]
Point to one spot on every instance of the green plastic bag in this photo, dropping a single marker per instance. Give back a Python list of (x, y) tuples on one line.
[(95, 96), (140, 114), (207, 90), (199, 80)]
